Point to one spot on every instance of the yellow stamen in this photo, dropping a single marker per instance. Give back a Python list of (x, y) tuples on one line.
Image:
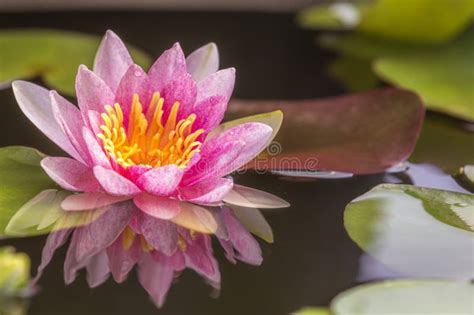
[(146, 247), (148, 140), (128, 238), (181, 243)]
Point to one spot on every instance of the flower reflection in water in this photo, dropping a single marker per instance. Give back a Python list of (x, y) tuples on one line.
[(123, 236)]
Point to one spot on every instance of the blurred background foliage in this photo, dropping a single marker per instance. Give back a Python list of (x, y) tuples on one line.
[(400, 42)]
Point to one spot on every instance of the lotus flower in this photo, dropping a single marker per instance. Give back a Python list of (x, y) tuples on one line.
[(145, 136), (148, 150)]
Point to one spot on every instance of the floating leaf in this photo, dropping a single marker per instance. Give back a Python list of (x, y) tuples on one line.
[(356, 74), (54, 55), (420, 21), (444, 144), (379, 131), (442, 76), (21, 178), (406, 297), (466, 176), (415, 231)]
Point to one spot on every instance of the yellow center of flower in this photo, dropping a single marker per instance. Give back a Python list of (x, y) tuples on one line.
[(149, 140)]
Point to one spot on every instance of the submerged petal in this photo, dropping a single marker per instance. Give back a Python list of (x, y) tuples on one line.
[(203, 61), (156, 278), (112, 60), (247, 247), (54, 241), (35, 103), (89, 201), (200, 258), (70, 174), (121, 260), (161, 234), (98, 270)]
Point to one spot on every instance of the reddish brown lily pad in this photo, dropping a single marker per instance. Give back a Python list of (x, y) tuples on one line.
[(361, 133)]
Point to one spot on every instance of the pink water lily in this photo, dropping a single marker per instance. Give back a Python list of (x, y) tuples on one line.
[(146, 136)]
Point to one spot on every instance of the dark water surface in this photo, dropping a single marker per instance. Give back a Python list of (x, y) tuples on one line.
[(312, 258)]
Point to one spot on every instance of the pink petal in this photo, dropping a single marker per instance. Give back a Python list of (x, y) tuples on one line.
[(54, 241), (254, 198), (161, 181), (95, 121), (203, 61), (112, 60), (210, 112), (92, 92), (35, 103), (169, 66), (183, 90), (156, 279), (98, 270), (200, 258), (254, 135), (215, 161), (114, 183), (121, 261), (70, 120), (70, 174), (247, 247), (135, 171), (89, 201), (161, 234), (96, 152), (218, 83), (207, 192), (158, 207), (100, 234), (134, 81)]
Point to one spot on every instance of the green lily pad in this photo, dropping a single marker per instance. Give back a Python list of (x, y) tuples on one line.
[(443, 144), (443, 76), (415, 231), (21, 178), (54, 55), (420, 21), (356, 74), (406, 297)]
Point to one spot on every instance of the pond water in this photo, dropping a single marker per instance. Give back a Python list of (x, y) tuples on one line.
[(313, 258)]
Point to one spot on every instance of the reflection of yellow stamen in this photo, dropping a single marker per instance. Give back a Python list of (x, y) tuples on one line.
[(128, 238), (148, 140), (146, 247), (181, 243)]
